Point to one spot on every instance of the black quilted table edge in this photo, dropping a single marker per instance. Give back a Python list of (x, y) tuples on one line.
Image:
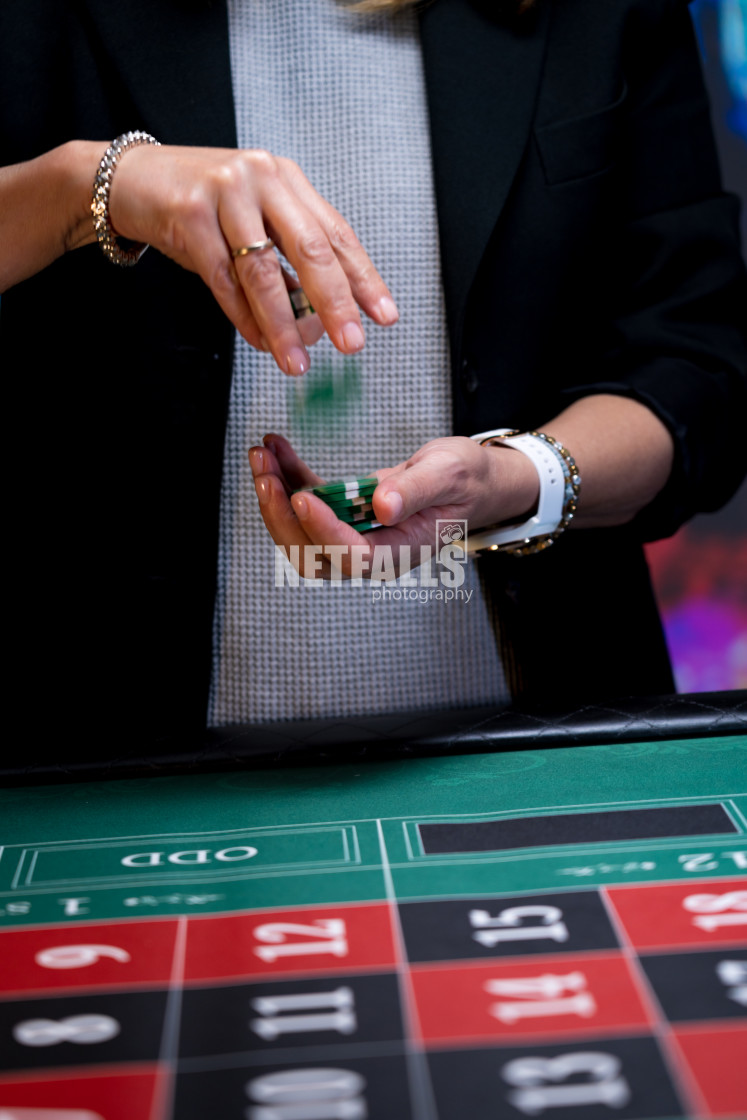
[(397, 735)]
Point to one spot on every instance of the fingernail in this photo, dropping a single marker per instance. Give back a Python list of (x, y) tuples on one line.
[(387, 309), (256, 461), (300, 507), (396, 505), (297, 362), (264, 344), (263, 491), (353, 337)]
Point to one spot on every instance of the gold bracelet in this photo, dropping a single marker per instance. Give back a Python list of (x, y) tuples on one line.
[(518, 539)]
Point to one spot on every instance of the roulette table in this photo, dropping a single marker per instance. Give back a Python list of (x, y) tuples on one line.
[(417, 917)]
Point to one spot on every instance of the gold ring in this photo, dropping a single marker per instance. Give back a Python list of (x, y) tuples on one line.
[(255, 247)]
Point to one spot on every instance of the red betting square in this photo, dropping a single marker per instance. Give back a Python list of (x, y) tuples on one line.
[(267, 942), (700, 913), (716, 1057), (552, 996), (107, 1094), (87, 956)]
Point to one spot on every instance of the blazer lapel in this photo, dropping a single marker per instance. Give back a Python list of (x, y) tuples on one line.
[(482, 79), (173, 60)]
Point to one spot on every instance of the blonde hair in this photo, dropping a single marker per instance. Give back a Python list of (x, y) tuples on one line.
[(507, 6), (380, 5)]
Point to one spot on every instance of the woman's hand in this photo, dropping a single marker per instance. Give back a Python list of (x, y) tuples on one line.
[(451, 478), (197, 204)]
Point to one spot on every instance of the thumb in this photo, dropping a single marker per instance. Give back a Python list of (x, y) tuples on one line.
[(409, 489)]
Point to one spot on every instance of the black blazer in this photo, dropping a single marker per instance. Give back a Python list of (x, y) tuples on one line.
[(586, 247)]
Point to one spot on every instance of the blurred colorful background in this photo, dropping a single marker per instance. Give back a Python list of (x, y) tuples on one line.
[(700, 575)]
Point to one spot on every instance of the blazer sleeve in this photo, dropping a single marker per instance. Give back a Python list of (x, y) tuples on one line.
[(678, 337)]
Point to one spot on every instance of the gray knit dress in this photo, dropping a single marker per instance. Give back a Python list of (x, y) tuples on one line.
[(343, 95)]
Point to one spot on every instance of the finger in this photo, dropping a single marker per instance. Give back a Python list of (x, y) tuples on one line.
[(262, 461), (417, 486), (367, 286), (293, 469), (311, 329), (324, 528), (209, 258), (353, 553), (283, 525), (306, 245), (308, 322), (320, 524), (259, 271), (263, 284), (281, 214)]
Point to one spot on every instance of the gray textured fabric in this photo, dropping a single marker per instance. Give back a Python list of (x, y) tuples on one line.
[(342, 95)]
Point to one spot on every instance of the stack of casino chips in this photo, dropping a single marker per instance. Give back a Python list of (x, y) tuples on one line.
[(350, 499)]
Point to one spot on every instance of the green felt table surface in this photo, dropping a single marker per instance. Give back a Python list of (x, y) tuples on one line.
[(212, 843)]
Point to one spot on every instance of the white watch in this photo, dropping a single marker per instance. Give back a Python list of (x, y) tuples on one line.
[(552, 492)]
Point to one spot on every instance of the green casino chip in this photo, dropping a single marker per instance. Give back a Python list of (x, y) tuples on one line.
[(345, 488), (351, 511), (354, 514), (350, 496), (363, 502), (355, 518), (349, 499)]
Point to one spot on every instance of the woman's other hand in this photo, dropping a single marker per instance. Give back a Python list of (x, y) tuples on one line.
[(624, 454), (452, 478)]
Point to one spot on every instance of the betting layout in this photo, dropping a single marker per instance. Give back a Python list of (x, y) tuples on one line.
[(490, 951)]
